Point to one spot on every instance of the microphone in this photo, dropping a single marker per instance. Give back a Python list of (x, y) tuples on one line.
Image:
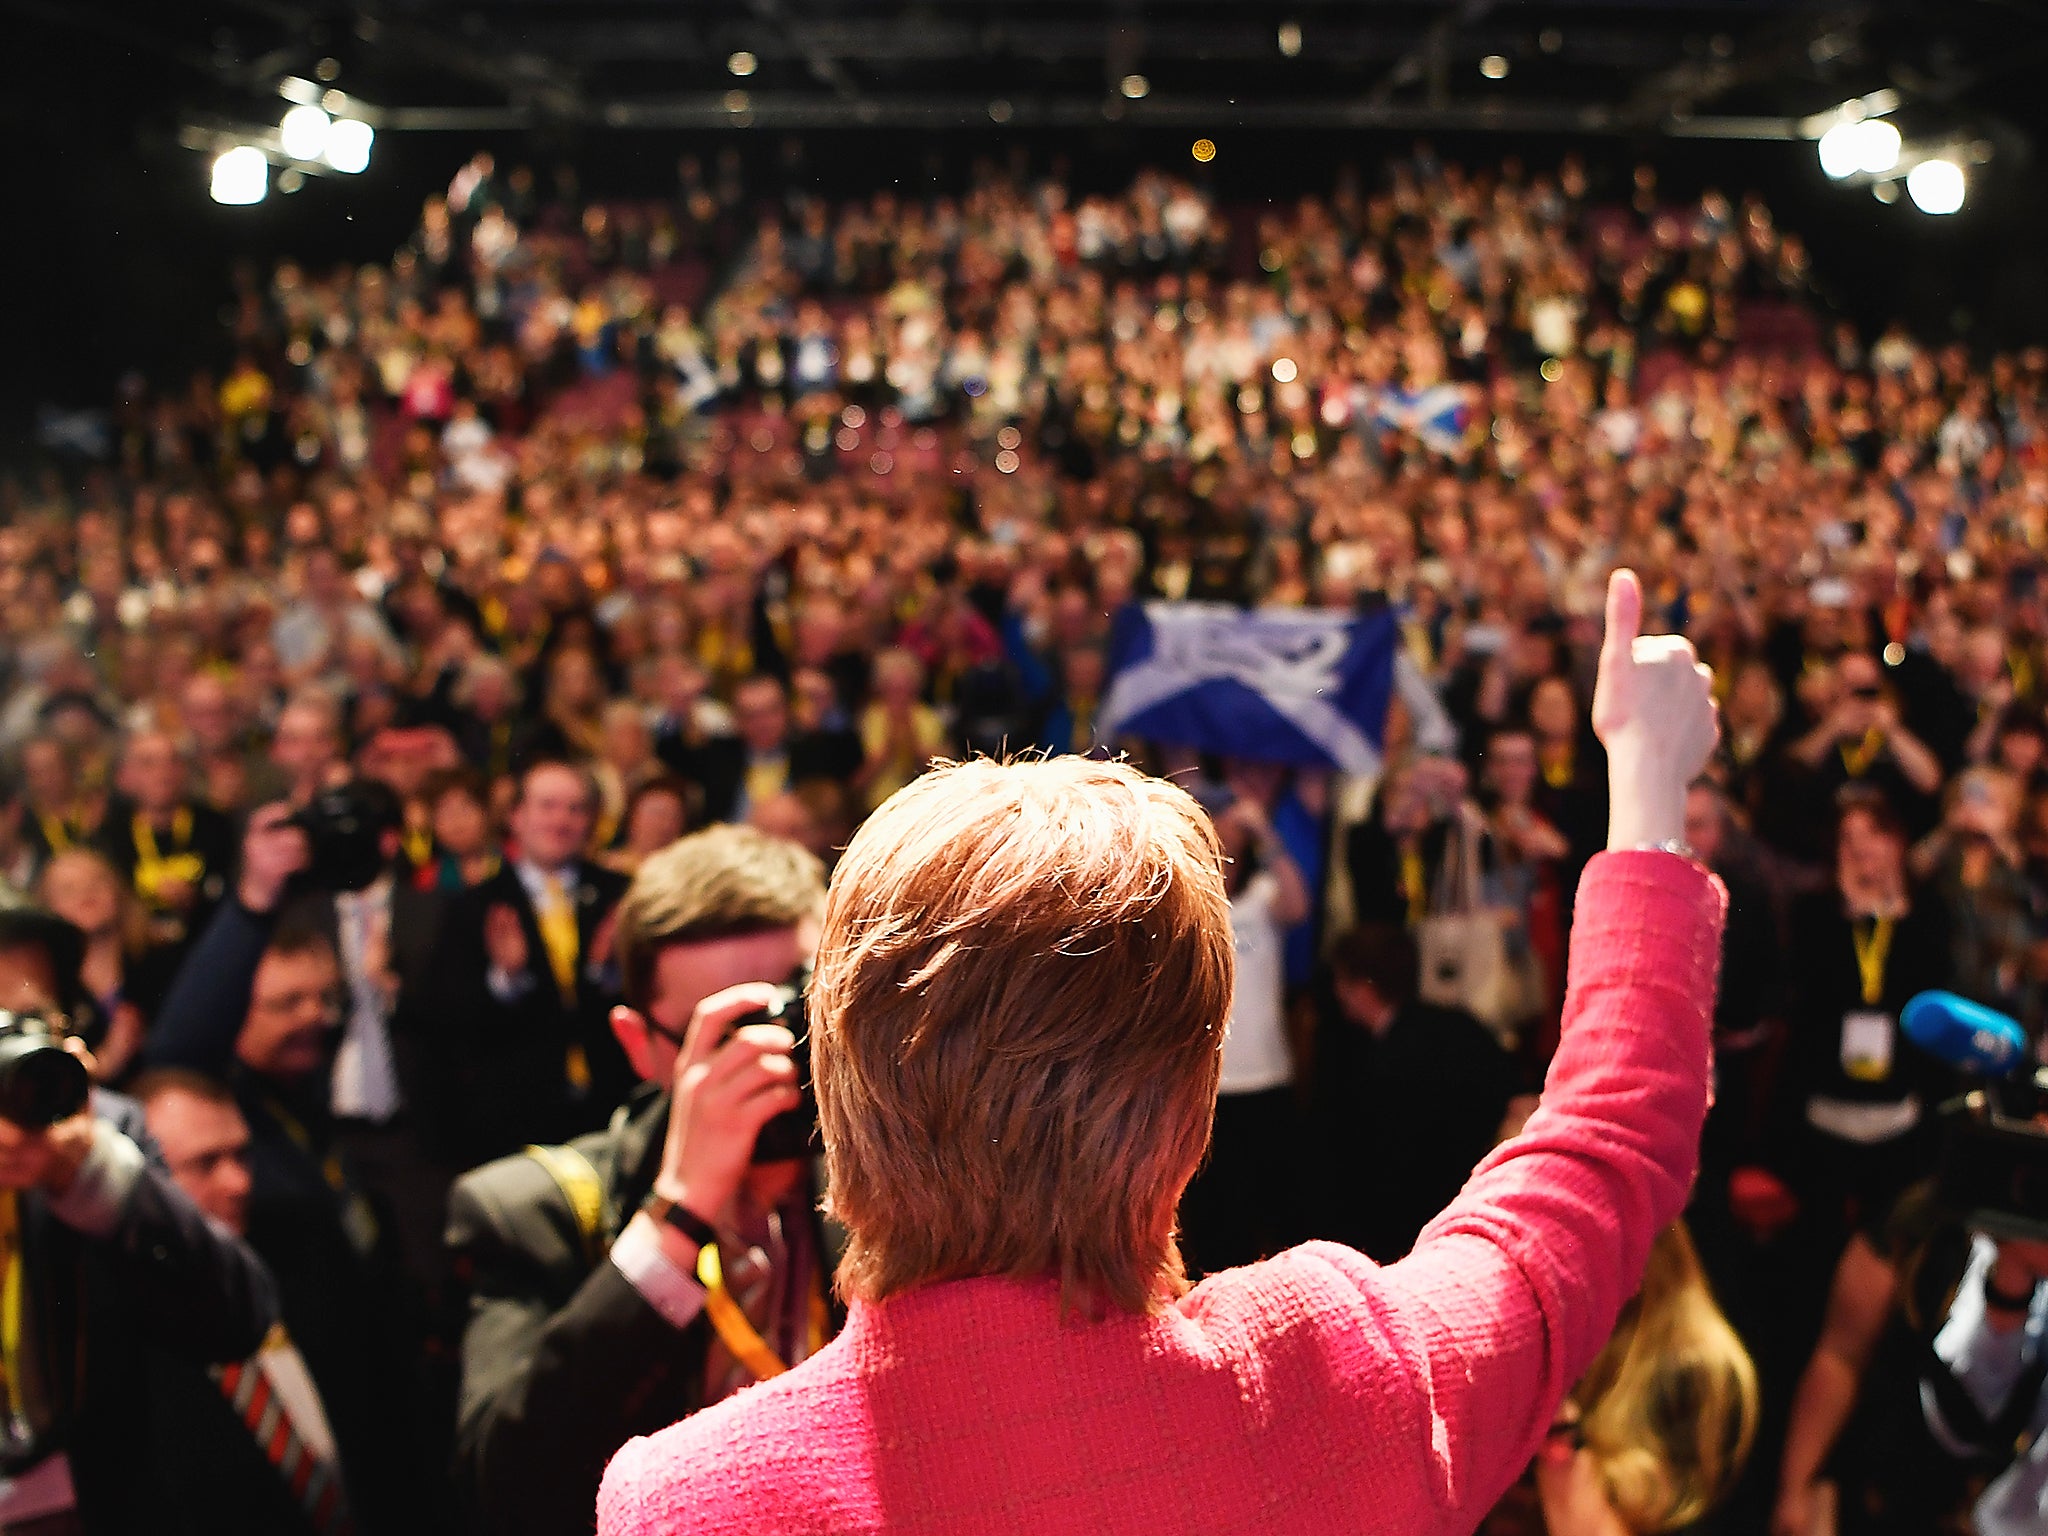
[(1965, 1034)]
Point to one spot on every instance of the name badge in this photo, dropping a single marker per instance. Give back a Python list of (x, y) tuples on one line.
[(1867, 1045)]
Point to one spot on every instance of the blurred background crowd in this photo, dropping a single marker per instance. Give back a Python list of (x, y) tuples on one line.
[(580, 524)]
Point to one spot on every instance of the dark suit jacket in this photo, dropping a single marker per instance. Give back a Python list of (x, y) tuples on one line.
[(164, 1280), (719, 766), (325, 1239), (563, 1361), (503, 1065)]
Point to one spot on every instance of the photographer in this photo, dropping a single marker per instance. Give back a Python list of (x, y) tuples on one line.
[(589, 1324), (257, 1007), (1995, 1347), (106, 1257)]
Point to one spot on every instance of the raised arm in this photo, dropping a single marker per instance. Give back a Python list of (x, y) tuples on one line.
[(1513, 1289)]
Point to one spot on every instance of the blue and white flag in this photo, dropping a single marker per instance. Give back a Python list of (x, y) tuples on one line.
[(1439, 415), (1280, 685)]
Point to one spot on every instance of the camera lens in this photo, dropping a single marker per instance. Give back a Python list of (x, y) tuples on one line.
[(40, 1082)]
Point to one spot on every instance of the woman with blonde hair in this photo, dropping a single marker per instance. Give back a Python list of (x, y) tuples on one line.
[(1658, 1429), (123, 973)]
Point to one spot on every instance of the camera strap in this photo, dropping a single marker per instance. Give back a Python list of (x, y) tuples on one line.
[(737, 1331)]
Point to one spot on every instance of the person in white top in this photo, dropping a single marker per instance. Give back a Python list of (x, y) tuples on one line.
[(1241, 1204)]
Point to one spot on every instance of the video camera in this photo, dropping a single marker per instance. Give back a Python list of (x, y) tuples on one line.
[(793, 1134), (1992, 1171)]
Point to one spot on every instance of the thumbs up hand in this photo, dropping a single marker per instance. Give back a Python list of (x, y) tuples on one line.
[(1654, 711)]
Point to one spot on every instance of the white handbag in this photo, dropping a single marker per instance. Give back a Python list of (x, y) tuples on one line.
[(1462, 949)]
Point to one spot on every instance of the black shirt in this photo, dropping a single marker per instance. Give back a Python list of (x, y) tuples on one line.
[(1398, 1120)]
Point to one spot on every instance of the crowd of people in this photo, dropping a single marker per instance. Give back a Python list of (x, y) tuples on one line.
[(354, 710)]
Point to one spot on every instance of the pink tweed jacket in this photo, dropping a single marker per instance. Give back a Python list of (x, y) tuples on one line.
[(1316, 1391)]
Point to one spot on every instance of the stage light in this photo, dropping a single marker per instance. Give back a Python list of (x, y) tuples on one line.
[(1494, 66), (348, 145), (1290, 39), (1886, 192), (240, 176), (1135, 87), (1936, 186), (1284, 370), (1841, 151), (1204, 150), (1877, 146), (742, 63), (303, 132)]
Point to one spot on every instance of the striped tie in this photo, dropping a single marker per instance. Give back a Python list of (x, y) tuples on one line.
[(313, 1482)]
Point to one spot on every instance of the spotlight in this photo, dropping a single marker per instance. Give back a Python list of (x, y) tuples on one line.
[(1936, 186), (303, 132), (1204, 150), (1877, 146), (1841, 150), (1135, 87), (240, 176), (1494, 66), (1290, 39), (743, 63), (348, 145)]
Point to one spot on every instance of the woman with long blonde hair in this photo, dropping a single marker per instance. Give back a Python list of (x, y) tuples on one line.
[(1657, 1430)]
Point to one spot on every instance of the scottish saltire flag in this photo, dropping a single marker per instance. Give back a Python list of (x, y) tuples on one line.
[(1283, 685), (1438, 415)]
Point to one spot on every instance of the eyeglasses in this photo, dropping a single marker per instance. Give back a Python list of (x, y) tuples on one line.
[(327, 999), (205, 1164)]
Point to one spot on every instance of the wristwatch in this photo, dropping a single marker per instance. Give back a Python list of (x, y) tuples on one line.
[(1677, 845), (686, 1221)]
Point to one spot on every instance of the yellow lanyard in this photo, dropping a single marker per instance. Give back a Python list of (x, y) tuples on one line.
[(145, 835), (56, 833), (153, 868), (10, 1301), (1857, 759), (1414, 884), (737, 1332), (1871, 955), (419, 846)]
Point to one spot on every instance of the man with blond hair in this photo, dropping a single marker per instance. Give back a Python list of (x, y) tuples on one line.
[(1017, 1021)]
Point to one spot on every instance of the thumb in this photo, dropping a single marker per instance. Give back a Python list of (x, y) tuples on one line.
[(1624, 623)]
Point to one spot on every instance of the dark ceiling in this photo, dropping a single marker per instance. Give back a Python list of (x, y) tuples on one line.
[(1620, 66)]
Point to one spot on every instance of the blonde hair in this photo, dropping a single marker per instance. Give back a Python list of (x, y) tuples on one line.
[(1669, 1409), (1017, 1020), (713, 884)]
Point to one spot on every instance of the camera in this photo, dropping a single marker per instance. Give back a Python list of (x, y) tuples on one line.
[(345, 830), (40, 1082), (1993, 1168), (793, 1134)]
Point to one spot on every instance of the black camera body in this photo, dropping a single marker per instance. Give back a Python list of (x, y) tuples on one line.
[(40, 1082), (793, 1134), (345, 830), (1993, 1166)]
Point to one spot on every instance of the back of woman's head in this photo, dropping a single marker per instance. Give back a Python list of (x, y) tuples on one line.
[(1669, 1409), (1017, 1018)]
